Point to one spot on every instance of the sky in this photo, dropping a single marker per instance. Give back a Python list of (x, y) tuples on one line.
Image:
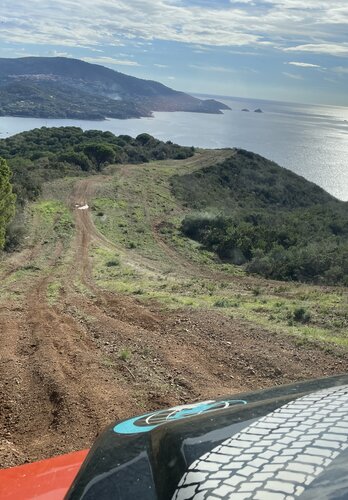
[(292, 50)]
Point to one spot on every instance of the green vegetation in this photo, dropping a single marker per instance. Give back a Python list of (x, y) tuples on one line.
[(266, 218), (247, 180), (7, 200), (45, 154), (300, 315), (308, 312), (125, 354), (55, 215), (49, 153), (181, 275), (51, 226), (53, 291)]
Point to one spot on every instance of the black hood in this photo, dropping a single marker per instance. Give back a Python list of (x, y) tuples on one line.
[(280, 443)]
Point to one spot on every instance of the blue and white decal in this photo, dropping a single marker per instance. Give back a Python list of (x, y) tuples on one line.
[(150, 421)]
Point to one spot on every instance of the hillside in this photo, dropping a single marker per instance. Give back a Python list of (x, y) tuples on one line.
[(247, 210), (252, 212), (56, 100), (52, 87), (107, 309), (248, 181)]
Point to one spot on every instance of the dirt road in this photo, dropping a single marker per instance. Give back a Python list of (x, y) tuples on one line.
[(70, 367)]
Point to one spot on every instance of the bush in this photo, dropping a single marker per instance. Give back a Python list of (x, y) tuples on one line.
[(7, 200), (285, 246), (14, 235), (222, 303), (113, 263), (300, 315)]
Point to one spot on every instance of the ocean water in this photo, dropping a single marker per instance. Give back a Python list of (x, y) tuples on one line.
[(309, 140)]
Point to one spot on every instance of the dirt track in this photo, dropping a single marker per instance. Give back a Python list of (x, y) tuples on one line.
[(61, 376)]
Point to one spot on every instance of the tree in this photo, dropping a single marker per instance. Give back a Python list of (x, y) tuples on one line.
[(146, 139), (76, 158), (100, 153), (7, 200)]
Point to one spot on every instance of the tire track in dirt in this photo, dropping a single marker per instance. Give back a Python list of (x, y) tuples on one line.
[(55, 394), (86, 232)]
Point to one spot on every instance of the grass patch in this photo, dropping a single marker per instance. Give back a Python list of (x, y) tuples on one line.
[(53, 291), (55, 219), (223, 302), (125, 354)]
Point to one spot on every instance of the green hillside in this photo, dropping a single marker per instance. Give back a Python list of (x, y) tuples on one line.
[(254, 213), (247, 180)]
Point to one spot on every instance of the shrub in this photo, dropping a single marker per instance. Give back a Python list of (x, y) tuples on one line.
[(300, 315), (125, 354), (7, 200), (14, 235), (113, 263)]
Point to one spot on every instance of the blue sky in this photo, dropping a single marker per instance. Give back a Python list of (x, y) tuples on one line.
[(294, 50)]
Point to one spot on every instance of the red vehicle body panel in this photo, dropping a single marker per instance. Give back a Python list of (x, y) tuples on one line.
[(45, 480)]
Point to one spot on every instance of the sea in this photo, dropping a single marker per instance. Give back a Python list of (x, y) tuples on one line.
[(310, 140)]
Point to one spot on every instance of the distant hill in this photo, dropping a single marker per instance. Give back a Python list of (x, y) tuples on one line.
[(52, 87), (50, 99), (252, 212)]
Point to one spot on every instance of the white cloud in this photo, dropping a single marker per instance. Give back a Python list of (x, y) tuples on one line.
[(303, 64), (214, 69), (292, 75), (160, 65), (59, 53), (100, 21), (315, 25), (110, 60), (332, 49)]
